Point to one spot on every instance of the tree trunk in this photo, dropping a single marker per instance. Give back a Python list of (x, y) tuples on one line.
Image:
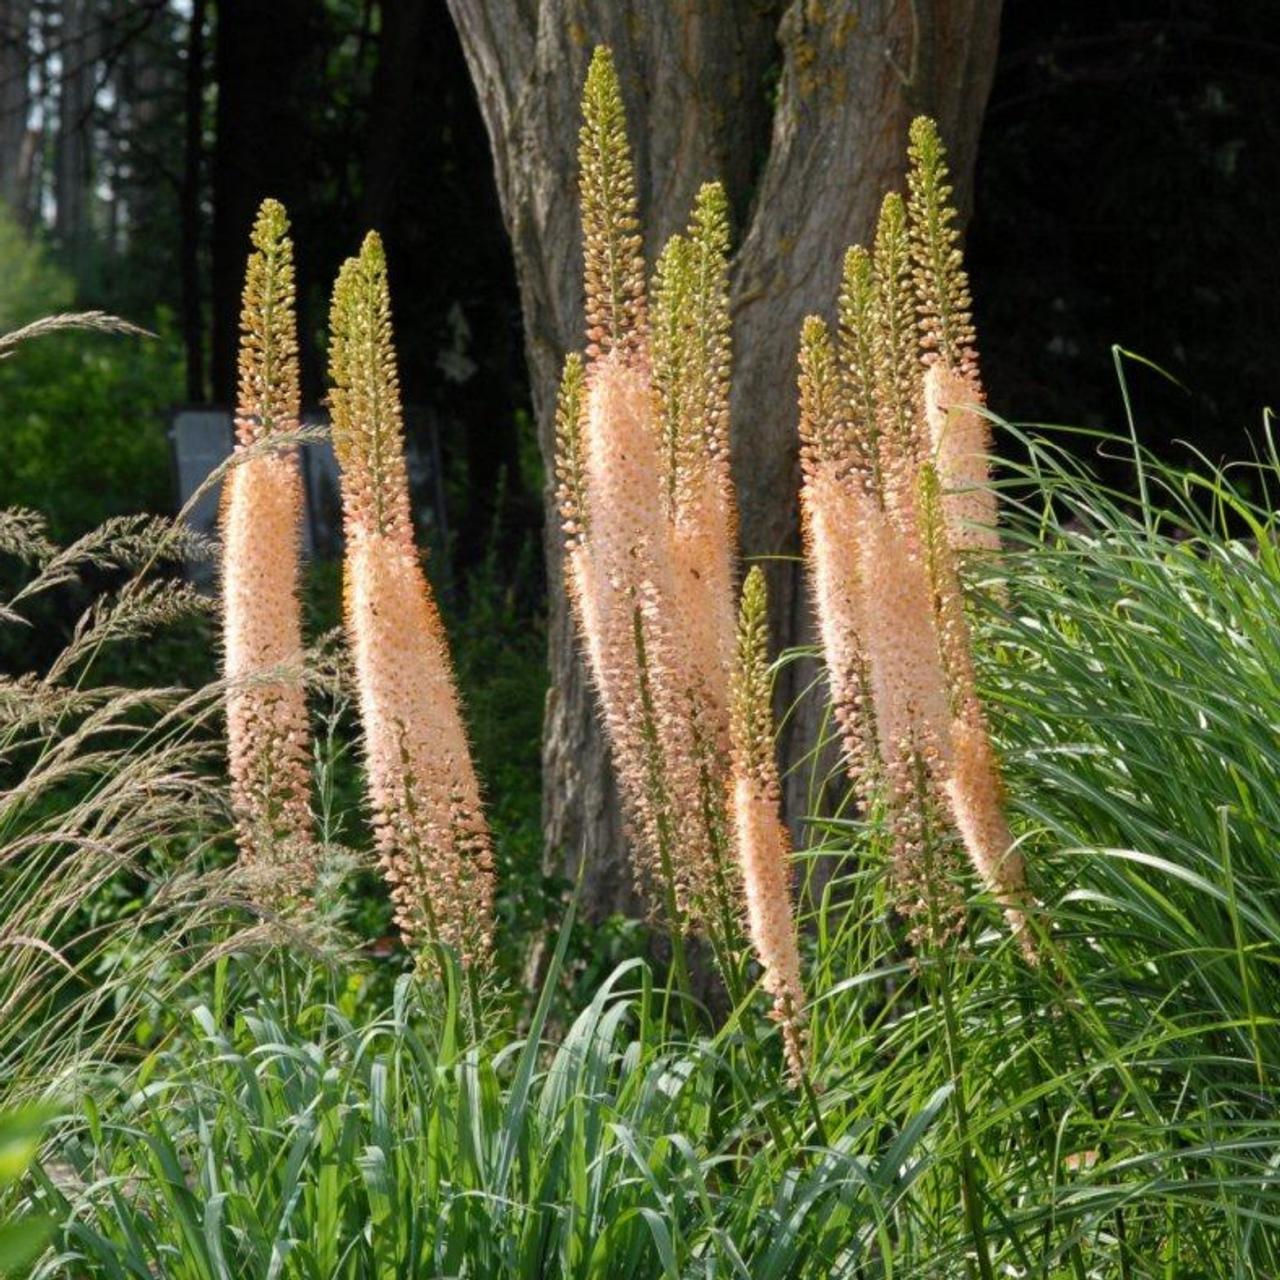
[(804, 185), (189, 199), (15, 109), (261, 52), (75, 108)]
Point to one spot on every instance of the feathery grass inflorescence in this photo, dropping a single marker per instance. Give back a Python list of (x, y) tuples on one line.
[(268, 733), (881, 541), (959, 432), (763, 844), (432, 838), (103, 788), (647, 504)]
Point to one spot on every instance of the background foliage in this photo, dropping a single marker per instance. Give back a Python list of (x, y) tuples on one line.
[(84, 416)]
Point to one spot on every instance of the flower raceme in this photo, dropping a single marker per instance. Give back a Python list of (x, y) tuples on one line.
[(268, 737), (647, 507), (659, 666), (959, 432), (433, 842), (838, 479), (619, 572), (762, 843), (895, 483)]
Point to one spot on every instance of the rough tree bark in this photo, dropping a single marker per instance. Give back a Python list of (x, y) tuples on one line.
[(805, 178)]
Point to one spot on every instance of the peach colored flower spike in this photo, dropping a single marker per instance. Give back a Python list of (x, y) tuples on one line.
[(268, 733), (895, 482), (432, 839), (959, 433), (647, 505), (961, 439), (763, 845), (973, 786), (835, 498), (638, 628)]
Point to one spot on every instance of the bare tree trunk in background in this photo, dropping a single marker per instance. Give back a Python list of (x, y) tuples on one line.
[(78, 36), (261, 51), (805, 179), (399, 51), (189, 200), (15, 108)]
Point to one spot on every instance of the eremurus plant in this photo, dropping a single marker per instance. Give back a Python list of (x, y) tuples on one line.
[(647, 507), (763, 843), (648, 514), (895, 484), (432, 838), (268, 734)]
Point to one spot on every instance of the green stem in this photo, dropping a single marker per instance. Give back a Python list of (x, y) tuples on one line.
[(951, 1035), (473, 1001), (969, 1185), (655, 783)]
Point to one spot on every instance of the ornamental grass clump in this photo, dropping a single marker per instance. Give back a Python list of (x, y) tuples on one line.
[(268, 733), (648, 515), (433, 842), (894, 485)]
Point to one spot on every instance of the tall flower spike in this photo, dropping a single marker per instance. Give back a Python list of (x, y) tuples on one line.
[(433, 843), (709, 260), (959, 432), (823, 440), (268, 734), (941, 283), (620, 579), (859, 408), (673, 359), (913, 721), (691, 351), (364, 398), (897, 364), (613, 257), (571, 495), (974, 790), (764, 849), (643, 475), (834, 504), (960, 435)]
